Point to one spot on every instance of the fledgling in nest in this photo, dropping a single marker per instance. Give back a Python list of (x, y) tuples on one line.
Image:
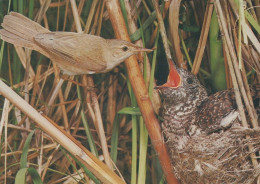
[(204, 133)]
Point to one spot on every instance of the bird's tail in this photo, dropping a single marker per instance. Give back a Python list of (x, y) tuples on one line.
[(20, 30)]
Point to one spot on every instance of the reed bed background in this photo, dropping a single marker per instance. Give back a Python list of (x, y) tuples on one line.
[(110, 116)]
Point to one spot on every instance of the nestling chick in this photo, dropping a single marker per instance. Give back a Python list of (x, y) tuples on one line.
[(207, 144)]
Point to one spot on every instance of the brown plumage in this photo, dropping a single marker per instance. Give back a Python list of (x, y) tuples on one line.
[(204, 135), (74, 53)]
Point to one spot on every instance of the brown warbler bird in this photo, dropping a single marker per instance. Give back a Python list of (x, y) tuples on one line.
[(204, 135), (74, 53)]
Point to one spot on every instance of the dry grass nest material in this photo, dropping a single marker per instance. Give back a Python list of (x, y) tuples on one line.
[(218, 158)]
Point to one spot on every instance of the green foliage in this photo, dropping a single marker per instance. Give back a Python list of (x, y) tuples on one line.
[(21, 175), (130, 111), (217, 67)]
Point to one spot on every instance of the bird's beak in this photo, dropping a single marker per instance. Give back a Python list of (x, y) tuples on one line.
[(140, 49), (174, 78)]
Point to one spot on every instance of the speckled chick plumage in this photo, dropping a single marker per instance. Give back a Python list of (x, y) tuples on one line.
[(204, 135)]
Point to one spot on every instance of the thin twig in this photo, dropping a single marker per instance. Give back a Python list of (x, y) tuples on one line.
[(174, 11), (203, 38), (162, 30)]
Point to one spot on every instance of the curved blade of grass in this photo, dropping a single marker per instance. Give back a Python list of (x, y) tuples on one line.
[(114, 139), (20, 177), (151, 87), (130, 111), (24, 155), (2, 54), (88, 173), (138, 34), (74, 166), (134, 150), (35, 176), (86, 127), (252, 21), (217, 66), (134, 134), (143, 152), (88, 133)]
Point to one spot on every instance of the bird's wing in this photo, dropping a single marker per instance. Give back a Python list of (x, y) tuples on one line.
[(217, 112), (76, 48)]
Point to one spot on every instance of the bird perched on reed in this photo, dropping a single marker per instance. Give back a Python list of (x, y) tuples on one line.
[(74, 53), (207, 144)]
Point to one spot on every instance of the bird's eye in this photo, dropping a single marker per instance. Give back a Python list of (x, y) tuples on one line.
[(125, 48), (189, 80)]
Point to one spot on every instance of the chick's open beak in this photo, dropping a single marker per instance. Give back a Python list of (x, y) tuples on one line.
[(174, 78)]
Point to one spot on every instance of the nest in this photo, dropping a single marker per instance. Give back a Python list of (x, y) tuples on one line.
[(222, 157)]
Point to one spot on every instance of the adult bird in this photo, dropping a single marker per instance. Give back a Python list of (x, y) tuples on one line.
[(74, 53)]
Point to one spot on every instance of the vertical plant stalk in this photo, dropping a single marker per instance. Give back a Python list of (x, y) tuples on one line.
[(143, 152), (90, 15), (63, 109), (58, 91), (203, 38), (239, 101), (5, 121), (146, 68), (54, 95), (134, 150), (99, 123), (174, 11), (256, 45), (162, 30), (237, 71), (100, 130), (48, 162), (141, 93), (4, 117), (111, 107), (21, 54), (156, 101), (234, 71), (28, 53), (219, 76)]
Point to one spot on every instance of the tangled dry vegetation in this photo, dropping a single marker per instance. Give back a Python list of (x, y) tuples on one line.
[(92, 130)]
